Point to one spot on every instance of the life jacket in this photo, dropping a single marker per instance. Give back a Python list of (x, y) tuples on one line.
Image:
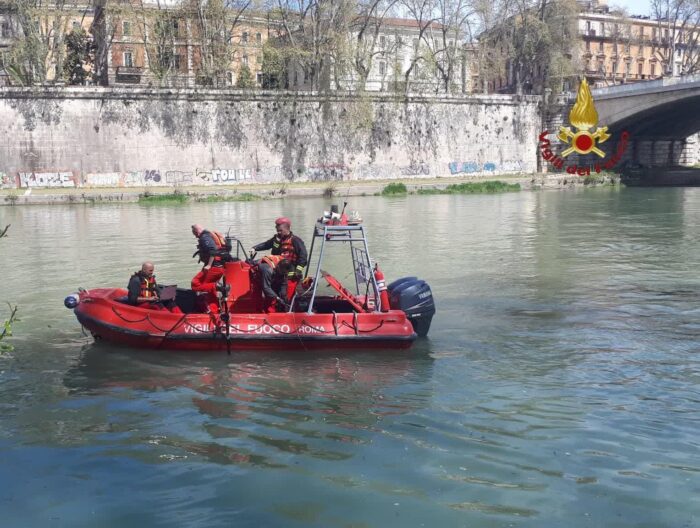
[(223, 248), (148, 285), (285, 248), (272, 260)]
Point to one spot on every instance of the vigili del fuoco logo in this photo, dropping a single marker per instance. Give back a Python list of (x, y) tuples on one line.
[(584, 139)]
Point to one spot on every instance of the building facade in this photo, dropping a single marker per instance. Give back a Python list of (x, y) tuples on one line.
[(147, 44), (403, 54), (617, 50), (608, 48)]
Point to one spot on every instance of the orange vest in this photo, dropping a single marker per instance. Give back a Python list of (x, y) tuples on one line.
[(148, 286), (272, 260)]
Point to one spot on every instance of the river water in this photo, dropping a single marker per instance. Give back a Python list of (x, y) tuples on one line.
[(559, 385)]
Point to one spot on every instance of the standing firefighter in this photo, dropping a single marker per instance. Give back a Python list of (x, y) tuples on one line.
[(214, 252), (291, 248)]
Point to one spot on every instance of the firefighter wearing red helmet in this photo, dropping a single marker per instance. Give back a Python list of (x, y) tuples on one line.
[(290, 247)]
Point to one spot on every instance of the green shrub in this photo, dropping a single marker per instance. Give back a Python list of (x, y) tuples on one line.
[(474, 188), (394, 189), (243, 197), (164, 198)]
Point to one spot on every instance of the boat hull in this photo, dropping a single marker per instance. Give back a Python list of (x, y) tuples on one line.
[(116, 322)]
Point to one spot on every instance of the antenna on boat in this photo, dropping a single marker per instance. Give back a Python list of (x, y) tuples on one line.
[(225, 317)]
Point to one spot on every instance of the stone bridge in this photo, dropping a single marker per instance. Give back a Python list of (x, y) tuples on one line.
[(662, 117)]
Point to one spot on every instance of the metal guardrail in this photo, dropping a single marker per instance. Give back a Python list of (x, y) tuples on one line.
[(645, 86)]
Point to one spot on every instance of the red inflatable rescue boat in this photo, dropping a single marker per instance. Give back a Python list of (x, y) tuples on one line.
[(349, 319)]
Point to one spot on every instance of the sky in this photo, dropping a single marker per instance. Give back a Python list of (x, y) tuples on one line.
[(634, 7)]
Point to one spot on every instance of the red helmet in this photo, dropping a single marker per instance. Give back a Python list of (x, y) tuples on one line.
[(283, 220)]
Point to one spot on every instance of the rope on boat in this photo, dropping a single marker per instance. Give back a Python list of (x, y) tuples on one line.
[(128, 320)]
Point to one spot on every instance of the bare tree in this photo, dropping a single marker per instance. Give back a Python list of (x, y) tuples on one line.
[(39, 28), (424, 13), (534, 41), (678, 22), (365, 29), (445, 37), (215, 22)]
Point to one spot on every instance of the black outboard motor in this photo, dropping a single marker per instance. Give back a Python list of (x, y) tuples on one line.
[(415, 298)]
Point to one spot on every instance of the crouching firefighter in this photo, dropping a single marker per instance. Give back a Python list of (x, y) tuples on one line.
[(214, 251), (273, 280), (290, 247)]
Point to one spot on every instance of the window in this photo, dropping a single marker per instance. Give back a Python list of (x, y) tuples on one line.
[(399, 43), (653, 69), (588, 46), (382, 42), (628, 67), (588, 27), (641, 32), (640, 68), (128, 59), (4, 29), (244, 60), (126, 28), (627, 47), (229, 78), (259, 78), (258, 38), (614, 68), (415, 43), (244, 37), (176, 62), (653, 33), (600, 46), (176, 26), (382, 68)]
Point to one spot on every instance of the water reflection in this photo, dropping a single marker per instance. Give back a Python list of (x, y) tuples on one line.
[(253, 409)]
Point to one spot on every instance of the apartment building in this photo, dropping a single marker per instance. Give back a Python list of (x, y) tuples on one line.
[(148, 44), (400, 46), (619, 50), (608, 49)]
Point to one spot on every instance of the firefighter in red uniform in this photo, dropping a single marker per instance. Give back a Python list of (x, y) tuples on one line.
[(143, 291), (213, 252), (290, 247)]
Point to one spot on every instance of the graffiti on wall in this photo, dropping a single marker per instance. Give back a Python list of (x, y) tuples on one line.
[(107, 179), (226, 176), (469, 167), (179, 178), (143, 178), (46, 179), (416, 169), (7, 182), (327, 172)]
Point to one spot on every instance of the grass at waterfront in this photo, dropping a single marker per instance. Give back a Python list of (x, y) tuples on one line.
[(242, 197), (474, 188), (164, 198), (394, 189)]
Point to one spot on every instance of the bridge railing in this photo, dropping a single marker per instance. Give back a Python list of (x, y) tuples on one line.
[(642, 86)]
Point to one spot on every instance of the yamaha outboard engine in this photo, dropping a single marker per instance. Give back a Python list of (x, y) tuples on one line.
[(415, 298)]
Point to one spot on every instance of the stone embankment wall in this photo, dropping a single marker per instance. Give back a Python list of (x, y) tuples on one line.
[(106, 137)]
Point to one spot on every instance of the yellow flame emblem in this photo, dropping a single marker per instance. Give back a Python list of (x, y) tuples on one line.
[(584, 117)]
